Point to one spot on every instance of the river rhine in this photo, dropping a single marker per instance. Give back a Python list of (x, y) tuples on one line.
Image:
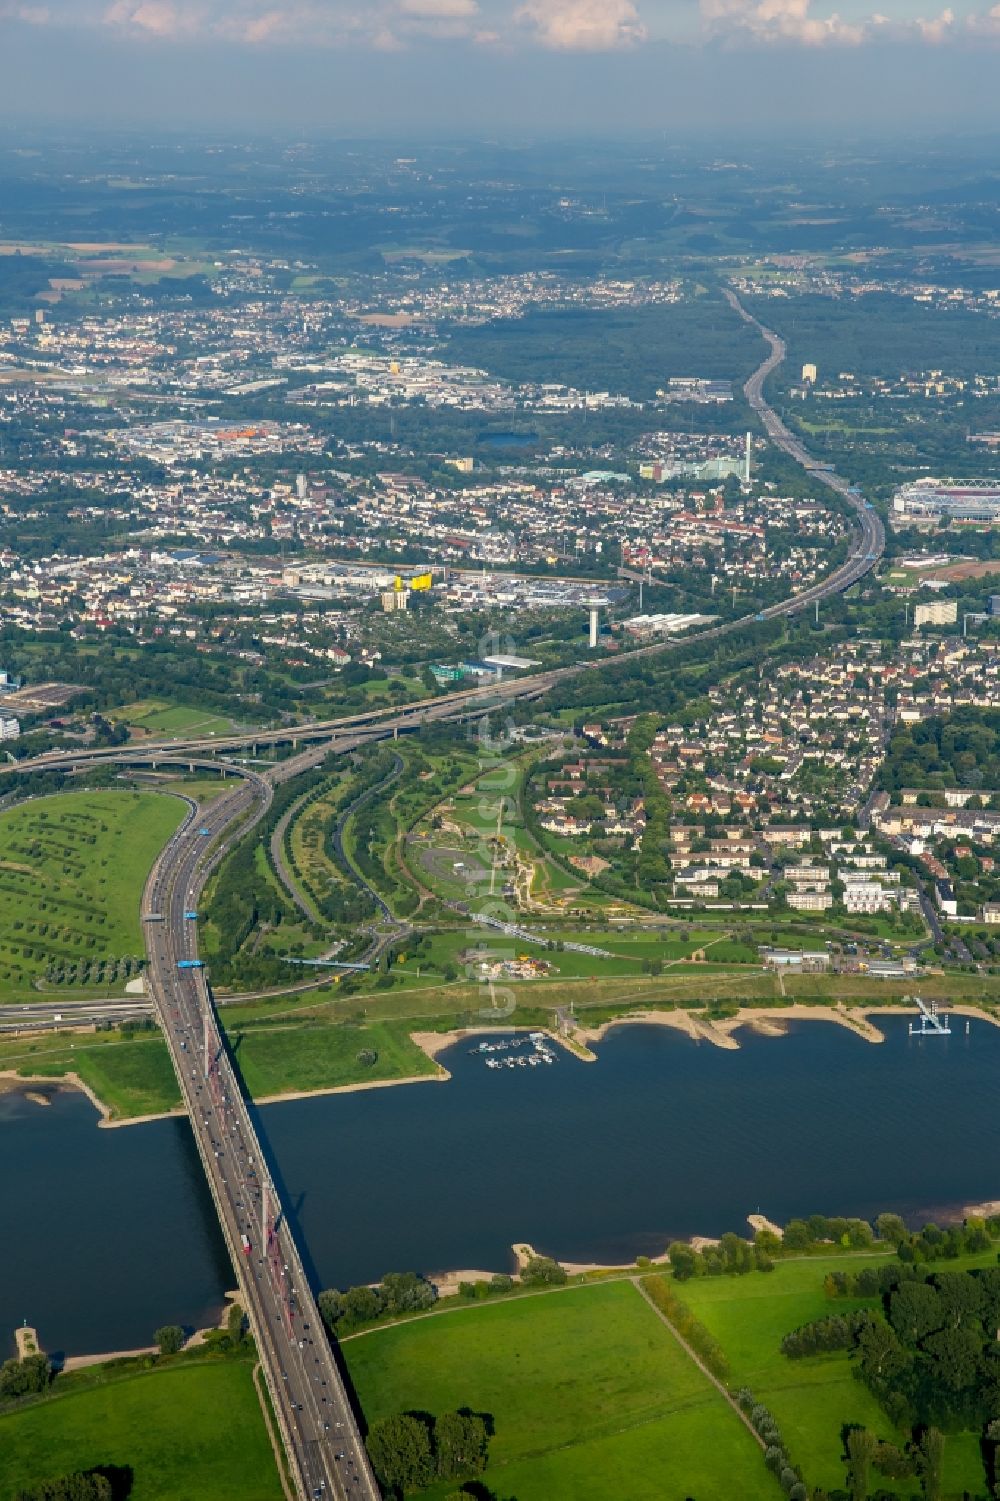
[(110, 1233)]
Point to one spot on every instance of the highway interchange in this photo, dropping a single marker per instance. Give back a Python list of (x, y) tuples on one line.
[(321, 1435)]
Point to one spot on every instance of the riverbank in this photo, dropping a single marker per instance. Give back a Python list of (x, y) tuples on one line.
[(765, 1021), (572, 1034), (11, 1082)]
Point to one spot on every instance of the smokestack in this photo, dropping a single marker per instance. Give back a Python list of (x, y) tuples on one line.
[(595, 625)]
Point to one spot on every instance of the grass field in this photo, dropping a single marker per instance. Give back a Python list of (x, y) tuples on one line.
[(131, 1077), (190, 1432), (590, 1395), (278, 1059), (72, 869), (157, 717), (810, 1398)]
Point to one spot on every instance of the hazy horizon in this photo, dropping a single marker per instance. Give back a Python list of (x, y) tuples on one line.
[(790, 67)]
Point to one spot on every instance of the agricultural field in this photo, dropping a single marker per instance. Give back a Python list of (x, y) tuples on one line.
[(162, 1423), (585, 1386), (72, 869)]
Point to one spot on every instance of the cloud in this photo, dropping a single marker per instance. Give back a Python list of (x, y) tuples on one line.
[(780, 21), (582, 25), (157, 18), (29, 15), (937, 30), (568, 26), (439, 10)]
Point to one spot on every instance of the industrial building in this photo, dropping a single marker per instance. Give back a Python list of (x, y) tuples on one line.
[(937, 612), (664, 624), (976, 502)]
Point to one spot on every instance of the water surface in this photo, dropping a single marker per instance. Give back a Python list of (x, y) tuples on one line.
[(111, 1233)]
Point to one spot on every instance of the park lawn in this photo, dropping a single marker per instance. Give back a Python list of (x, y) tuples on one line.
[(810, 1398), (72, 870), (282, 1058), (190, 1432), (590, 1394)]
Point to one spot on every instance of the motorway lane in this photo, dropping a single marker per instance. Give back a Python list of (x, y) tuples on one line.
[(320, 1434), (41, 1016)]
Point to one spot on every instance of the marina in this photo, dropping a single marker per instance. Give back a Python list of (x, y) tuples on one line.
[(503, 1053)]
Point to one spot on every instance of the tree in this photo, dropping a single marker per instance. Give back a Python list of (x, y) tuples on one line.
[(892, 1462), (914, 1310), (461, 1442), (540, 1271), (962, 1297), (955, 1357), (930, 1463), (170, 1339), (683, 1260), (399, 1448), (862, 1447), (22, 1378), (890, 1227), (362, 1304), (406, 1292), (332, 1306)]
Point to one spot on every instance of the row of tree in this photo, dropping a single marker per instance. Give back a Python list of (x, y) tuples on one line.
[(397, 1293), (733, 1256), (764, 1424)]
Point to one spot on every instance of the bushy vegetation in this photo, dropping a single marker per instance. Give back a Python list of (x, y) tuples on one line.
[(397, 1293), (838, 1332), (933, 1357), (25, 1378), (960, 750), (94, 1485), (410, 1450), (733, 1256)]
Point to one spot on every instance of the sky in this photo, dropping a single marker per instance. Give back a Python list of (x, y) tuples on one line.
[(379, 66)]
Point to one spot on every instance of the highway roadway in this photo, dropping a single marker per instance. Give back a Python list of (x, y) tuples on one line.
[(45, 1016), (320, 1433)]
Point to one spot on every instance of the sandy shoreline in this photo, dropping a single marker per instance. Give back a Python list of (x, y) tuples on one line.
[(11, 1081), (765, 1021), (441, 1077)]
